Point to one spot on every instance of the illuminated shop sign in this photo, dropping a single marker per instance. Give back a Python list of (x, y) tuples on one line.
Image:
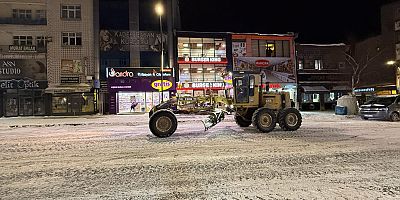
[(209, 60), (130, 72), (165, 86), (201, 86), (364, 90)]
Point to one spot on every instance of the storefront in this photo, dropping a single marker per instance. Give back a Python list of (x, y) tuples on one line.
[(203, 63), (138, 89), (22, 85), (365, 93), (270, 55)]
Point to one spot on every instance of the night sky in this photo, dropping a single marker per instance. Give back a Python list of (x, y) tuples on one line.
[(316, 21)]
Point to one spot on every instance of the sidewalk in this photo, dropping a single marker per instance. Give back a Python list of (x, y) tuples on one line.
[(47, 121)]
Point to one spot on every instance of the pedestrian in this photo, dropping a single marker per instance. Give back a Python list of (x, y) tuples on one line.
[(133, 104)]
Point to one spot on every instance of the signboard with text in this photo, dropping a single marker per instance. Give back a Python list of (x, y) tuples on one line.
[(202, 60), (117, 40), (132, 72), (22, 68), (201, 86)]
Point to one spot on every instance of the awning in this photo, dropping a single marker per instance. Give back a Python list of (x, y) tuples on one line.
[(314, 89), (80, 88), (341, 88)]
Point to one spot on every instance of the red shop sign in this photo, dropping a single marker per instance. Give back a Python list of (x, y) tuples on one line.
[(262, 63)]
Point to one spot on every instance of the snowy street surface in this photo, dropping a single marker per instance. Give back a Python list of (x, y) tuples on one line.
[(117, 157)]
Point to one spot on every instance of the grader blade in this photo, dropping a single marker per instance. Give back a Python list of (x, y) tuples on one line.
[(213, 119)]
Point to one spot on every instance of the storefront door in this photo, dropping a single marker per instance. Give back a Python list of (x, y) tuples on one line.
[(11, 105), (26, 105)]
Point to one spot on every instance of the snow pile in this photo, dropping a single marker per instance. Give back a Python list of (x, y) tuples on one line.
[(350, 102)]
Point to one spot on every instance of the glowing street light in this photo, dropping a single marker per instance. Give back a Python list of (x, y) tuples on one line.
[(160, 11), (391, 62)]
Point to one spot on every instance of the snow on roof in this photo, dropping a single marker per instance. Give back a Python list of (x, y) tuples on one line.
[(324, 45)]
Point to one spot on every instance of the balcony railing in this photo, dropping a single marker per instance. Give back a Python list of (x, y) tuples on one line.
[(10, 20)]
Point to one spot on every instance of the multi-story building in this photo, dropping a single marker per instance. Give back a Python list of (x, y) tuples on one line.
[(322, 75), (23, 67), (130, 53), (203, 63), (71, 57), (271, 54), (379, 78)]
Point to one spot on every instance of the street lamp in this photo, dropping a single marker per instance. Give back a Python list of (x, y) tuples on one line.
[(160, 11), (397, 68)]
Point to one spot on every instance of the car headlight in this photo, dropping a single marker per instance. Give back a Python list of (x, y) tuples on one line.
[(231, 106), (383, 109)]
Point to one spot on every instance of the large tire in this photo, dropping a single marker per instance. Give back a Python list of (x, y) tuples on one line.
[(163, 123), (394, 117), (264, 120), (242, 122), (289, 119)]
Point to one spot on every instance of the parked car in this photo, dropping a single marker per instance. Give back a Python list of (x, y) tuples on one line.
[(382, 107)]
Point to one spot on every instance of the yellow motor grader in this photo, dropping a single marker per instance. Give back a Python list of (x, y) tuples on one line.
[(251, 104)]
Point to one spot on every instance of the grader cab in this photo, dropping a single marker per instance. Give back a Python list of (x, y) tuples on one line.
[(251, 104)]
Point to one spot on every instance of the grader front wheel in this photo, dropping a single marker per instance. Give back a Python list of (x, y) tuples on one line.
[(163, 123)]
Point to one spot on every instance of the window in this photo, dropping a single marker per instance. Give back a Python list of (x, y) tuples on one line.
[(183, 47), (22, 14), (196, 47), (254, 48), (70, 11), (41, 42), (318, 64), (220, 48), (40, 14), (270, 50), (22, 40), (72, 39), (300, 63)]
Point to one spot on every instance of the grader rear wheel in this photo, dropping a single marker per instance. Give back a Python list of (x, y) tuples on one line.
[(289, 119), (264, 120), (163, 123)]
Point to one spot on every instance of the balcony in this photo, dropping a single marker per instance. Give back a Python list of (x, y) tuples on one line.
[(18, 21)]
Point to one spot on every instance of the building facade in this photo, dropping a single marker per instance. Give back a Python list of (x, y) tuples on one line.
[(129, 40), (23, 77), (203, 62), (323, 75), (379, 78), (71, 57), (273, 55)]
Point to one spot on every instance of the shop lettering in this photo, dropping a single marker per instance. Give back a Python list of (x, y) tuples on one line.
[(116, 74), (206, 59), (207, 85), (142, 74), (165, 86), (9, 68), (21, 84), (22, 48)]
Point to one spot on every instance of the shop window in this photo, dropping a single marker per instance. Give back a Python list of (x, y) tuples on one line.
[(209, 73), (208, 47), (196, 47), (183, 47), (220, 48), (197, 73), (70, 12), (22, 40), (184, 73), (219, 72), (315, 98), (59, 104)]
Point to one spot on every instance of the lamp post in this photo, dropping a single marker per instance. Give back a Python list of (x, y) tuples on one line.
[(160, 11), (397, 68)]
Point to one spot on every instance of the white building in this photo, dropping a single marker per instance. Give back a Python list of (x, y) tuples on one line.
[(23, 77)]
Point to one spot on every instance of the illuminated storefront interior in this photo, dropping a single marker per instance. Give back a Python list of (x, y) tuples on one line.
[(202, 65)]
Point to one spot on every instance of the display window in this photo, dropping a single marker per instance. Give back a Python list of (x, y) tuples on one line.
[(201, 47), (139, 101)]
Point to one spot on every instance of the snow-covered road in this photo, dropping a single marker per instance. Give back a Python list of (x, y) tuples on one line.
[(116, 157)]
